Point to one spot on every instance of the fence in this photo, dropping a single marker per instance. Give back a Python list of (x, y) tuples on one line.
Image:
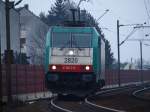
[(126, 76), (28, 80)]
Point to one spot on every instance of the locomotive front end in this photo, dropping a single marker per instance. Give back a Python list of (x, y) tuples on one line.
[(70, 61)]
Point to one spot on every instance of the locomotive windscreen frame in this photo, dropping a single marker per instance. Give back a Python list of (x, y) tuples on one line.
[(71, 40)]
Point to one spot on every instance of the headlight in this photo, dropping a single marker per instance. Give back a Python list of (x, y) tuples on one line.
[(53, 67), (71, 52), (87, 68)]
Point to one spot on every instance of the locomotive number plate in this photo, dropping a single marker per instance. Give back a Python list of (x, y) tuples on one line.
[(71, 60)]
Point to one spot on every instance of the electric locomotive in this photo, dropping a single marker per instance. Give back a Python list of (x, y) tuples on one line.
[(74, 60)]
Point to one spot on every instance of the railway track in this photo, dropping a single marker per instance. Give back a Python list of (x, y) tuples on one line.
[(88, 105), (71, 106), (143, 94), (108, 100), (120, 101)]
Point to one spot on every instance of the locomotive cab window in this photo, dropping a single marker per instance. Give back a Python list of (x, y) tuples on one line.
[(61, 40), (81, 40), (74, 40)]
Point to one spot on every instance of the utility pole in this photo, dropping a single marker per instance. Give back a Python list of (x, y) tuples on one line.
[(141, 56), (8, 52), (141, 62), (118, 46), (1, 97)]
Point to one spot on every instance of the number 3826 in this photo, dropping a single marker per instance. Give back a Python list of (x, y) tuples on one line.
[(70, 60)]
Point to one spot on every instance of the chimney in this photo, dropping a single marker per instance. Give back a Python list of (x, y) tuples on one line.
[(26, 6)]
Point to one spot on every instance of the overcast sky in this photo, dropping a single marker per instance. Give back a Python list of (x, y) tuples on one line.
[(126, 11)]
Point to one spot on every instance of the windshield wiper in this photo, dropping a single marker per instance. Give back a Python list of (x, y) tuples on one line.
[(64, 45), (73, 43)]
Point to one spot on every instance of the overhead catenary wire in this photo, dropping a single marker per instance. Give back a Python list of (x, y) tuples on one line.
[(138, 40), (147, 11), (129, 35), (114, 32), (115, 14), (146, 44), (102, 15)]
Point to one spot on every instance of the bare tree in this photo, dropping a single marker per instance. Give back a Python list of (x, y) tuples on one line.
[(36, 44)]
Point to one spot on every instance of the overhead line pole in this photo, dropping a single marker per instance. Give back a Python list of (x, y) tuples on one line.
[(1, 97), (141, 66), (118, 46), (141, 62), (8, 52), (141, 55)]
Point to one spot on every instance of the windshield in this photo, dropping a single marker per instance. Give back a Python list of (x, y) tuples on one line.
[(61, 40), (71, 40)]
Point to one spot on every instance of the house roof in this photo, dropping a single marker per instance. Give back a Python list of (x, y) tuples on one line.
[(26, 8), (18, 10)]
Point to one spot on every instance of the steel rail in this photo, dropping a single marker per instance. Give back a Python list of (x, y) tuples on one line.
[(104, 107), (138, 91), (114, 89), (89, 104), (58, 107), (135, 93)]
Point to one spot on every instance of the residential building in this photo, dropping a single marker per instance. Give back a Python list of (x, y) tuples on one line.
[(32, 33)]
